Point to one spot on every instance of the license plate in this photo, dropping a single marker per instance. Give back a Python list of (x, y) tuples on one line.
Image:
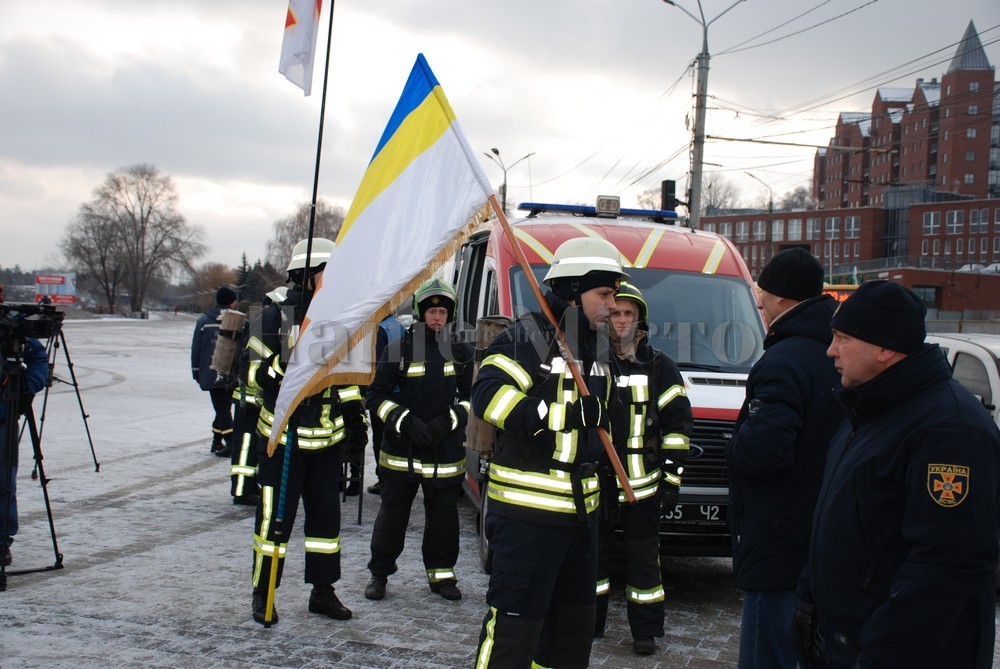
[(696, 514)]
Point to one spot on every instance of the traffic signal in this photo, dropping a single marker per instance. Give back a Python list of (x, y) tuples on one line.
[(668, 195)]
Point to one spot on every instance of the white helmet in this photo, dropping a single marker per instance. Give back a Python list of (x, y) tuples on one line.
[(576, 257), (277, 296), (321, 250)]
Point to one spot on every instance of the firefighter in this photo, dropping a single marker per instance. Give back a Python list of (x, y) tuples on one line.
[(543, 489), (422, 397), (246, 413), (652, 440), (323, 424)]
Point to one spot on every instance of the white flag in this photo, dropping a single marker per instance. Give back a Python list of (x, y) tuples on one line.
[(298, 48)]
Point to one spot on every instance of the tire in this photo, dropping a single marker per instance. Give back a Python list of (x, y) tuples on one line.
[(485, 553)]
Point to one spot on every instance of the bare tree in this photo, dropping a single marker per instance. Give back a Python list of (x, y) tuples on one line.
[(800, 198), (133, 212), (294, 228), (93, 248), (718, 194), (209, 278)]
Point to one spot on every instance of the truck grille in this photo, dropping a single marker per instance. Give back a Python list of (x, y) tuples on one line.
[(709, 469)]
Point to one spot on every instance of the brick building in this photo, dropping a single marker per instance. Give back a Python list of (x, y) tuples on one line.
[(909, 190)]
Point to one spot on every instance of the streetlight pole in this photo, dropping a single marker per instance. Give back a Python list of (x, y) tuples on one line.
[(698, 143), (495, 157), (770, 199)]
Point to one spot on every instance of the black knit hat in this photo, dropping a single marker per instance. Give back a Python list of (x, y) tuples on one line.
[(225, 296), (793, 273), (572, 287), (885, 314)]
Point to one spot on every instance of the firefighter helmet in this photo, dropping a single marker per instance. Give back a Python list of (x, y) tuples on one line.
[(627, 291), (576, 257), (277, 296), (434, 293), (319, 254)]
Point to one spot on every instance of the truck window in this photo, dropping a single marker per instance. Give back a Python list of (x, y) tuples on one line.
[(971, 373), (699, 320)]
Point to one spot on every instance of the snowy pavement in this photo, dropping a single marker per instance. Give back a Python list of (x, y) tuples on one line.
[(156, 558)]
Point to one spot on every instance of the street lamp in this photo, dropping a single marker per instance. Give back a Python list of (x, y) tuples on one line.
[(770, 196), (495, 157), (698, 149)]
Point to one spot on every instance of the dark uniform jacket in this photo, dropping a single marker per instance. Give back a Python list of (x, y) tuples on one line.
[(431, 377), (542, 471), (654, 423), (322, 420), (206, 331), (904, 545), (777, 452)]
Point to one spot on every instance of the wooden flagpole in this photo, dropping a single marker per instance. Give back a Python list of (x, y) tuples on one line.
[(609, 449)]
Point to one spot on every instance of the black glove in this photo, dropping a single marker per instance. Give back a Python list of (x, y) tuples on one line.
[(357, 439), (586, 412), (440, 427), (805, 631), (670, 486)]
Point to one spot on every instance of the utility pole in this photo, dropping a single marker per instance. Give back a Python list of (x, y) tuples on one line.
[(701, 95)]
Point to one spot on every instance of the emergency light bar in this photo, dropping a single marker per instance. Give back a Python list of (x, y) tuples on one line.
[(607, 207)]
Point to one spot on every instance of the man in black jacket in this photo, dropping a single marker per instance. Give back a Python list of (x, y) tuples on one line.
[(776, 455), (904, 541), (219, 386)]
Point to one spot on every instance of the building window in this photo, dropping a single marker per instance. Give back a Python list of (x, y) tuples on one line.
[(973, 86), (932, 223), (969, 179), (795, 228), (959, 246), (973, 110), (970, 133), (923, 247), (760, 231), (954, 222), (970, 156), (947, 248), (812, 228), (709, 227), (778, 231), (833, 227), (972, 247), (726, 230), (852, 227), (742, 231), (937, 247), (857, 249), (996, 220), (996, 247)]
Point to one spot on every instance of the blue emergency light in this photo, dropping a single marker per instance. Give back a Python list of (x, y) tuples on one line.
[(608, 206)]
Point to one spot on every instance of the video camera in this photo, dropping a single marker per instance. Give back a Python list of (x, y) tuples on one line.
[(20, 321)]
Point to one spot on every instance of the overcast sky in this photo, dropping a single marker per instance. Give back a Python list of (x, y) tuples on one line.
[(599, 90)]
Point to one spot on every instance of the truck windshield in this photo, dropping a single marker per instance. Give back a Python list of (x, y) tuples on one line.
[(701, 321)]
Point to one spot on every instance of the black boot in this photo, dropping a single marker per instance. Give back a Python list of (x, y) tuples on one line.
[(260, 607), (376, 588), (375, 488), (447, 589), (216, 442), (324, 600)]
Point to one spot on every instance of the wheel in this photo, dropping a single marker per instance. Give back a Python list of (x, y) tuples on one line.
[(485, 554)]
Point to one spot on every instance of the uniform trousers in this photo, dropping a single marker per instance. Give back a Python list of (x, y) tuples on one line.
[(640, 525), (541, 595), (222, 424), (244, 458), (315, 477), (440, 542)]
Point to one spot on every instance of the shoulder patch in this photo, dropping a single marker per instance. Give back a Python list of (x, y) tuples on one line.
[(948, 485)]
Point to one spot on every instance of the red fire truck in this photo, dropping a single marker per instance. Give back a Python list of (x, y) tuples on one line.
[(702, 313)]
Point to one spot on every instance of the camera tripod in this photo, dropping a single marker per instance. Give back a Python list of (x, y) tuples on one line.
[(52, 346), (11, 436)]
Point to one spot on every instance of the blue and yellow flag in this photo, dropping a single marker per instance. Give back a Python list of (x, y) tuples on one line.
[(422, 195)]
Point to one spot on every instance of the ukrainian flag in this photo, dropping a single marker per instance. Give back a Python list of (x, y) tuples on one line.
[(422, 195)]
